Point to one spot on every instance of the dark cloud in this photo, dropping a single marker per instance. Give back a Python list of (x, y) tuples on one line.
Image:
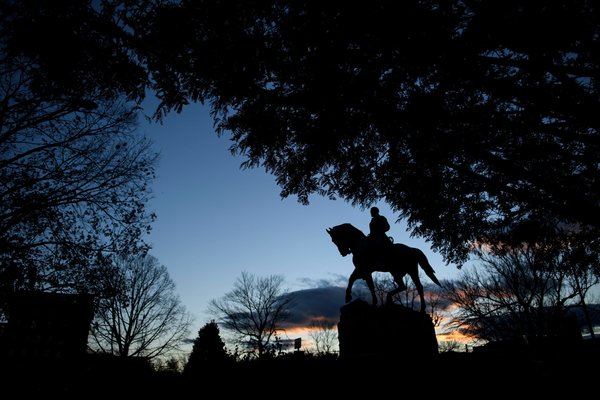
[(325, 298), (321, 303)]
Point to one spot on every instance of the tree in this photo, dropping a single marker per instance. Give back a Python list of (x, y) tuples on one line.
[(524, 292), (144, 316), (74, 178), (325, 336), (209, 351), (254, 311), (581, 264), (450, 346), (488, 136)]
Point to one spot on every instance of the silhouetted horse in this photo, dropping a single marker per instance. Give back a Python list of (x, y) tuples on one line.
[(399, 260)]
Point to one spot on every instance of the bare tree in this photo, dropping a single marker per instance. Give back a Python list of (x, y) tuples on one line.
[(519, 292), (450, 346), (324, 334), (582, 267), (254, 311), (143, 316), (436, 305)]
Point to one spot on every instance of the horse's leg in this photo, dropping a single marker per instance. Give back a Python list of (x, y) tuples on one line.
[(419, 285), (400, 286), (353, 276), (369, 279)]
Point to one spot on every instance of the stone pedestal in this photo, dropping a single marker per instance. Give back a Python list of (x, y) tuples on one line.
[(385, 332)]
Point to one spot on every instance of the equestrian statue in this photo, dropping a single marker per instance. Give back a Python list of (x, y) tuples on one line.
[(377, 252)]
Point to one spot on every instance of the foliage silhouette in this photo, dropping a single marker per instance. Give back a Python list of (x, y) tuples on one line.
[(490, 135), (209, 352), (74, 174), (505, 373)]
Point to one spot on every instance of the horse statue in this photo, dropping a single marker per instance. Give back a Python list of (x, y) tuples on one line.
[(398, 260)]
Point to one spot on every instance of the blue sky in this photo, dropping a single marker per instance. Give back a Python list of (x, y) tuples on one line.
[(216, 220)]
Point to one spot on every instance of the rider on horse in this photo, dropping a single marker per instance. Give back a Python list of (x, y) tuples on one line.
[(379, 241)]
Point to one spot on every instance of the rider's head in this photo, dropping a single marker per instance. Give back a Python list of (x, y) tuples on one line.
[(374, 211)]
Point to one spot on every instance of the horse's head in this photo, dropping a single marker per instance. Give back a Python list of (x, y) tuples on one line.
[(340, 240)]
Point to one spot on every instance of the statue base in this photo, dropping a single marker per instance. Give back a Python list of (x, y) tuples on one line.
[(385, 332)]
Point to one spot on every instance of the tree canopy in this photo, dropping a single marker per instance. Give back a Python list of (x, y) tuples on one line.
[(476, 121)]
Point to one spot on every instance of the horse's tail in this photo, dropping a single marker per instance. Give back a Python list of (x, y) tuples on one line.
[(424, 263)]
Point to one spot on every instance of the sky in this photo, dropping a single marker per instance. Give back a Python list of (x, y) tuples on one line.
[(215, 220)]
